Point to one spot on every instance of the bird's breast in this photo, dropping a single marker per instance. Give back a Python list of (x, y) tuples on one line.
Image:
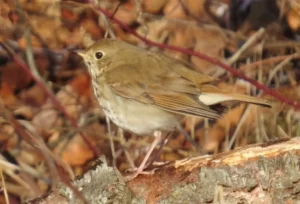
[(132, 115)]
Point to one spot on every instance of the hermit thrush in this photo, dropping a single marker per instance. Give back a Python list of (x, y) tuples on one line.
[(143, 91)]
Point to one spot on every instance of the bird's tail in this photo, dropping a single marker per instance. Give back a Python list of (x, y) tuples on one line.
[(211, 95)]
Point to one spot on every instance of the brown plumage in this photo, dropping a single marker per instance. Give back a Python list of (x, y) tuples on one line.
[(143, 91)]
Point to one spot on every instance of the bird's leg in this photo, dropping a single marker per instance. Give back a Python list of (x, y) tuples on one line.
[(157, 135), (164, 141)]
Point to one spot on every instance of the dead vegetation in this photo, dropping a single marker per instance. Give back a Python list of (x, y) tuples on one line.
[(51, 126)]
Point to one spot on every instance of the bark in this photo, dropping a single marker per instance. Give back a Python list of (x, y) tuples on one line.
[(268, 173)]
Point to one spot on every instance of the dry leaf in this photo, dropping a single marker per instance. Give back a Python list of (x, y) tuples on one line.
[(34, 96), (47, 118), (293, 19), (154, 7), (76, 152), (14, 77), (7, 94), (127, 13), (174, 9)]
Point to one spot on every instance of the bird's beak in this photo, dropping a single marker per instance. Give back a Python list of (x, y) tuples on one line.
[(80, 52)]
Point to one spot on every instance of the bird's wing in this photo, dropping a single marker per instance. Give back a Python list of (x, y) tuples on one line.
[(157, 84)]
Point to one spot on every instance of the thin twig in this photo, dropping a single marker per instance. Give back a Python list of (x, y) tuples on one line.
[(123, 146), (29, 55), (109, 30), (279, 67), (270, 60), (4, 187), (238, 128), (111, 141), (254, 38)]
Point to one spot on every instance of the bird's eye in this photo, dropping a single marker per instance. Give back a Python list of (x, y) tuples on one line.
[(98, 55)]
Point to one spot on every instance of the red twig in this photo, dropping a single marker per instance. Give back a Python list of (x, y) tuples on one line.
[(52, 97), (204, 57)]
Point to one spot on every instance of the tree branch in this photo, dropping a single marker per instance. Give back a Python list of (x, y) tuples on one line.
[(267, 173)]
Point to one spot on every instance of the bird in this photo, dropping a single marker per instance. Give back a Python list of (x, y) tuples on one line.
[(148, 93)]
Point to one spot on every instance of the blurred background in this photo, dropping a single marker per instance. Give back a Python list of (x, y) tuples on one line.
[(51, 125)]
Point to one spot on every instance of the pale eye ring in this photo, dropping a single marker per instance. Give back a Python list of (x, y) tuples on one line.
[(98, 55)]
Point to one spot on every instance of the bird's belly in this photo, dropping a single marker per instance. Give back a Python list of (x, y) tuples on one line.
[(137, 117)]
